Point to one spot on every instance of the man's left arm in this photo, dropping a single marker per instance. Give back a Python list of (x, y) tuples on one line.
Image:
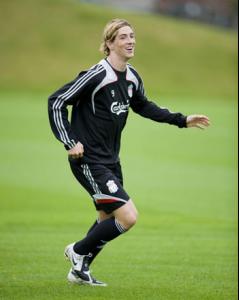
[(148, 109)]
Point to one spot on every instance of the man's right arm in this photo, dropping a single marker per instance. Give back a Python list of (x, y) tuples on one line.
[(69, 95), (58, 115)]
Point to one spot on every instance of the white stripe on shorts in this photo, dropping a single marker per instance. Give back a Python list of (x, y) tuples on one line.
[(89, 177)]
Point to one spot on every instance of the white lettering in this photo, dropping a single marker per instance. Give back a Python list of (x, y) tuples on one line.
[(118, 108)]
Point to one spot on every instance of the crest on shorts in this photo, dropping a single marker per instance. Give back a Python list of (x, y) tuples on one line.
[(130, 90), (112, 186)]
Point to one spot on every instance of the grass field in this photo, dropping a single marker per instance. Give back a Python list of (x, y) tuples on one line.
[(44, 43), (183, 182)]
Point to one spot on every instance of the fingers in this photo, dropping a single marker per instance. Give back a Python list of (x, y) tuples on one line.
[(202, 117), (198, 121), (75, 156), (77, 151), (200, 126), (204, 122)]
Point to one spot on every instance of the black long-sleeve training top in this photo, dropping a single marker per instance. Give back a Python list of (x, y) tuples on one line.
[(101, 98)]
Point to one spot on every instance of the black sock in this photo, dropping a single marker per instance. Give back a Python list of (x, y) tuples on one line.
[(105, 231), (99, 247), (93, 226)]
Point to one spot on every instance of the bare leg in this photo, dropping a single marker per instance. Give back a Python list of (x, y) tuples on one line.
[(104, 216), (126, 215)]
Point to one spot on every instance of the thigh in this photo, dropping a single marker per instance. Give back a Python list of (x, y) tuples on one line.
[(126, 211), (103, 185), (103, 215)]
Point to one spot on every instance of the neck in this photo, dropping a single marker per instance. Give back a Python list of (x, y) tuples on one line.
[(117, 63)]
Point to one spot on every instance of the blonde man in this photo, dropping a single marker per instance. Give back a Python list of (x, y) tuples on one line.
[(101, 98)]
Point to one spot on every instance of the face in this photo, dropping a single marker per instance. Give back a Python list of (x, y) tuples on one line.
[(124, 44)]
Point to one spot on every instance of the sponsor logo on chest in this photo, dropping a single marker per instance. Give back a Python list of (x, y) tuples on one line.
[(118, 108)]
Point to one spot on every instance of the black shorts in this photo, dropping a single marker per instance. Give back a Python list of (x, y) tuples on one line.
[(103, 182)]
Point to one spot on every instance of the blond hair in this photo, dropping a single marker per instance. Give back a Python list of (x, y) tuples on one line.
[(110, 33)]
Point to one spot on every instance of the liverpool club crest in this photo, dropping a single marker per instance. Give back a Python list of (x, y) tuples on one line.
[(130, 90)]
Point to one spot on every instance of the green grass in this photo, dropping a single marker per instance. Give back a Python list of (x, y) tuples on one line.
[(45, 43), (182, 181)]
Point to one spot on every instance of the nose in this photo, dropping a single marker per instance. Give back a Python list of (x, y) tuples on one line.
[(131, 40)]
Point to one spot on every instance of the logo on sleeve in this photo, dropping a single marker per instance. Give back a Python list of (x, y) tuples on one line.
[(130, 90), (112, 186)]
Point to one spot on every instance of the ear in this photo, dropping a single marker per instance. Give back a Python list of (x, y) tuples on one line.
[(110, 45)]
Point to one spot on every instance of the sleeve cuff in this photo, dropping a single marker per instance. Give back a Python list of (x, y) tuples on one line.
[(70, 145), (183, 122)]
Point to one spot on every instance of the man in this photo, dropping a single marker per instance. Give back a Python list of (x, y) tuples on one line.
[(101, 98)]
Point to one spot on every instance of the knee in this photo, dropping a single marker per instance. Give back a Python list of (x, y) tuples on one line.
[(129, 221), (132, 220)]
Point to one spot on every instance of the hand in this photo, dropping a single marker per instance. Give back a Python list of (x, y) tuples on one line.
[(198, 121), (76, 151)]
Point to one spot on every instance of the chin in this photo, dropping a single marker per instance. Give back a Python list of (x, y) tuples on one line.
[(129, 56)]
